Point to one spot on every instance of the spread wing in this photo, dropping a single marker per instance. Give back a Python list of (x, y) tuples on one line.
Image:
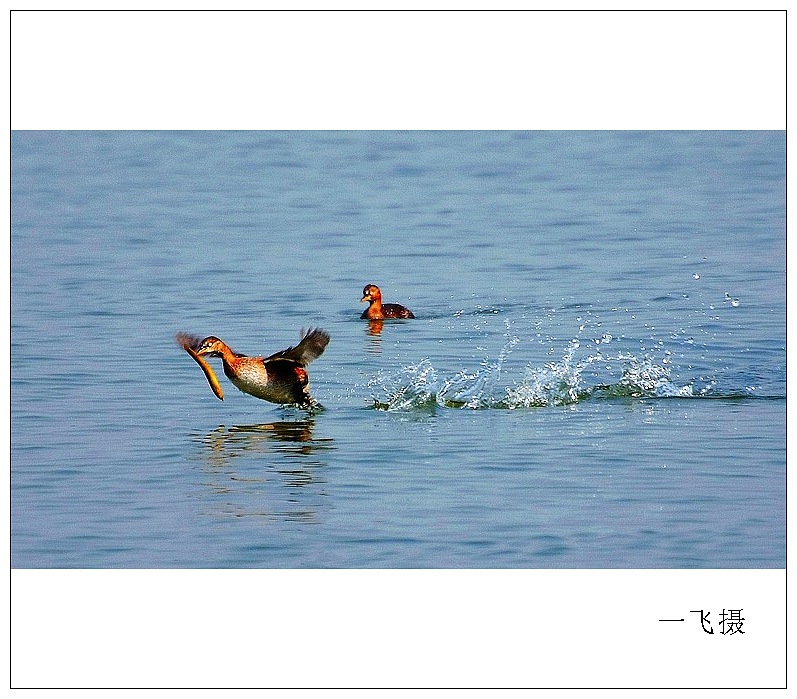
[(311, 347)]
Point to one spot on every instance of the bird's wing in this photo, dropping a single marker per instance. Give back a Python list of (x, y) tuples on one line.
[(311, 347)]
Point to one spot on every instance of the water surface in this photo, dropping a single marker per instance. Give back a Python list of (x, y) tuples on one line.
[(595, 377)]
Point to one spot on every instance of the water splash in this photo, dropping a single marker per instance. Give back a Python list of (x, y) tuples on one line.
[(555, 383), (563, 382), (733, 301), (413, 387), (475, 390)]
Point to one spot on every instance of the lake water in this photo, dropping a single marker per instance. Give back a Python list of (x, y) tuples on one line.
[(596, 376)]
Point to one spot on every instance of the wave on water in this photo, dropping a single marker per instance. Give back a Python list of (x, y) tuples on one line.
[(567, 381)]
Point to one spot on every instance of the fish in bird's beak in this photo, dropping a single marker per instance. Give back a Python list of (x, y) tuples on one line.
[(189, 343)]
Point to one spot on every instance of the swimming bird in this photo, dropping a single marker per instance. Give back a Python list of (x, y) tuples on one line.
[(377, 310), (279, 378)]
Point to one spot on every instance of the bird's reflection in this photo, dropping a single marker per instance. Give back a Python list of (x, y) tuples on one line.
[(374, 332), (272, 470), (375, 327), (227, 440)]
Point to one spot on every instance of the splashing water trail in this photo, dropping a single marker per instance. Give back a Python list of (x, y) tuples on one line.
[(475, 390), (556, 383), (559, 383), (412, 387)]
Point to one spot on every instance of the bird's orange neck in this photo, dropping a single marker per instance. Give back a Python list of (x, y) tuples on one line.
[(374, 308)]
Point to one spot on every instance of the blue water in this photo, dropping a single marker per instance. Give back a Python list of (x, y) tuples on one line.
[(596, 376)]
